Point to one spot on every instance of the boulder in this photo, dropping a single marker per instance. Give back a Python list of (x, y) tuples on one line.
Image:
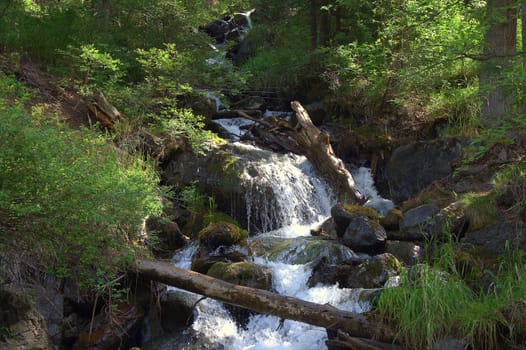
[(243, 273), (413, 167), (303, 250), (170, 237), (391, 220), (407, 252), (364, 235), (344, 214), (21, 325), (358, 227), (177, 310), (499, 237), (418, 223), (372, 273), (221, 234), (326, 229)]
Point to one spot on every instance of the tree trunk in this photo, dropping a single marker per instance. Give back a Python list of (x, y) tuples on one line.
[(523, 49), (314, 24), (317, 148), (325, 27), (500, 45), (262, 301)]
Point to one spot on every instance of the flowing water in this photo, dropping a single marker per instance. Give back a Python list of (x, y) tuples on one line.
[(284, 198)]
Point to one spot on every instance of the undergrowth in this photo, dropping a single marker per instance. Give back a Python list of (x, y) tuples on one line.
[(433, 302)]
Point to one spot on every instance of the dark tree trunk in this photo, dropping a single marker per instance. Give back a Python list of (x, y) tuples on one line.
[(500, 46), (314, 24), (325, 27), (262, 301)]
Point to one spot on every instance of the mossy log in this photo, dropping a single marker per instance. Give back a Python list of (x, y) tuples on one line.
[(317, 148), (262, 301)]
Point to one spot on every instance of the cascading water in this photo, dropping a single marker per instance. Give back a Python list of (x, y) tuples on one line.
[(284, 199)]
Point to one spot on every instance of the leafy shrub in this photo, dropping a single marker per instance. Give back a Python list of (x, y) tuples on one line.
[(71, 195)]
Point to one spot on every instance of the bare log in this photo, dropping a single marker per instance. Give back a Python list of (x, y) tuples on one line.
[(265, 302), (317, 148)]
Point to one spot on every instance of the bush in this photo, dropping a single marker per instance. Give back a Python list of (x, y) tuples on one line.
[(71, 195)]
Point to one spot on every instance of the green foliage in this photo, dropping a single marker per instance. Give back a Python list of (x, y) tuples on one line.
[(94, 69), (281, 57), (433, 302), (71, 194)]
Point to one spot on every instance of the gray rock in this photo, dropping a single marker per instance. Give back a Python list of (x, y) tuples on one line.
[(413, 167), (407, 252), (243, 273), (364, 235), (177, 310), (23, 327), (302, 250), (419, 222), (372, 273), (495, 238)]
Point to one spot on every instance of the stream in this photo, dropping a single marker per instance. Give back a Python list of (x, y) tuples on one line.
[(298, 201)]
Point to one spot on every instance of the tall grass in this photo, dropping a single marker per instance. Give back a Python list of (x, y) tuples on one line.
[(434, 302)]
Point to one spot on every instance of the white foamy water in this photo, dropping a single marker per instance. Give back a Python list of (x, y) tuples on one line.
[(365, 183), (283, 191)]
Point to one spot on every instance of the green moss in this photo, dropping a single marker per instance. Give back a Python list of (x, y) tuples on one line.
[(241, 273), (392, 219), (221, 233), (362, 211)]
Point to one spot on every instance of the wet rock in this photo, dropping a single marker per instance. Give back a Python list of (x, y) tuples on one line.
[(391, 220), (221, 234), (499, 237), (303, 250), (251, 103), (372, 273), (49, 302), (344, 214), (413, 167), (177, 310), (358, 227), (21, 325), (419, 223), (326, 229), (170, 237), (364, 235), (407, 252), (243, 273)]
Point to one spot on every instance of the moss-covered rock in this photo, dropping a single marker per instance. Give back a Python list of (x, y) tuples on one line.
[(391, 220), (221, 234), (303, 250), (243, 273)]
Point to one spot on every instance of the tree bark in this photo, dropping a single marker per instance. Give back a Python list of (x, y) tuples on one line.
[(325, 24), (262, 301), (317, 148), (314, 24), (500, 45)]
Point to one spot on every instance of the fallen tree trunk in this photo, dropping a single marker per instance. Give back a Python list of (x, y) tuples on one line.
[(262, 301), (317, 148)]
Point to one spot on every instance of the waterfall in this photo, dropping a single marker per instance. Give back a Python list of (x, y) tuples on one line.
[(284, 198), (283, 192)]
